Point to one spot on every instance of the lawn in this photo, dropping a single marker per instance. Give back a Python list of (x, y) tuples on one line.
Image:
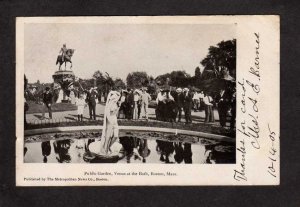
[(39, 108), (208, 128)]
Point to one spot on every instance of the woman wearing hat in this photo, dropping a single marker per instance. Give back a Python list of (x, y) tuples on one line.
[(209, 114), (179, 102), (187, 105), (47, 99)]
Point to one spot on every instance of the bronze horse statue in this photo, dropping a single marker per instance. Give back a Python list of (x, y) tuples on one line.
[(67, 58)]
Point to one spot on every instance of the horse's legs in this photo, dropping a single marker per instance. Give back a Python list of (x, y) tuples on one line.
[(65, 65)]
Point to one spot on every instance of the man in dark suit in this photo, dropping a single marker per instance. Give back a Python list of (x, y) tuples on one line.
[(47, 100), (223, 106), (178, 98), (91, 100), (187, 105), (130, 105)]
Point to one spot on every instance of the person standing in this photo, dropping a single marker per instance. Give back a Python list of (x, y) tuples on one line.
[(47, 100), (179, 102), (136, 99), (233, 111), (91, 100), (72, 97), (201, 103), (80, 102), (159, 105), (196, 101), (123, 105), (169, 105), (139, 105), (222, 107), (209, 116), (146, 98), (130, 106), (187, 105)]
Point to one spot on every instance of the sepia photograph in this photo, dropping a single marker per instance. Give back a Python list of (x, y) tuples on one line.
[(183, 100), (130, 93)]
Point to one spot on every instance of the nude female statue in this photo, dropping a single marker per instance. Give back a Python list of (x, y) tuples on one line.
[(110, 131)]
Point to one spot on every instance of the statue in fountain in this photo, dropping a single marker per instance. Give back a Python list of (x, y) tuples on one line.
[(110, 131), (102, 150)]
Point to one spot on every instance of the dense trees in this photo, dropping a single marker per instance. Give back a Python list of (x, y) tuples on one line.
[(137, 79), (119, 83), (219, 66), (220, 58), (176, 79)]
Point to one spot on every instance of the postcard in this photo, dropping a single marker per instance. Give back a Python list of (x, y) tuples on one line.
[(148, 100)]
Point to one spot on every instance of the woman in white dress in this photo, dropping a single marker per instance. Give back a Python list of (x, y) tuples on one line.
[(72, 97), (60, 96), (80, 103)]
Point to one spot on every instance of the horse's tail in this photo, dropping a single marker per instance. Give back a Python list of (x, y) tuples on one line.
[(57, 60)]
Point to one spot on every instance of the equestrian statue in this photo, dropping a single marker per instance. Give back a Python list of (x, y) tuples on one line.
[(64, 56)]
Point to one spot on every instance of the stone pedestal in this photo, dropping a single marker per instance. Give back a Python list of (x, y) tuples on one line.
[(65, 78)]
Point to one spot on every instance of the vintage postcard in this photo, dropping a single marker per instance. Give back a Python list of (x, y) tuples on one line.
[(164, 100)]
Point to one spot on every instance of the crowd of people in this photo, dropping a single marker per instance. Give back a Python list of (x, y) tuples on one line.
[(171, 104), (134, 104)]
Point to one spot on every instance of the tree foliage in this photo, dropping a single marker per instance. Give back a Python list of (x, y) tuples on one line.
[(177, 78), (197, 72), (137, 79), (119, 83), (220, 58)]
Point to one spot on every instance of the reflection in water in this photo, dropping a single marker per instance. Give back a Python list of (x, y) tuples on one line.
[(61, 148), (25, 150), (219, 153), (144, 150), (46, 150), (132, 150), (165, 149)]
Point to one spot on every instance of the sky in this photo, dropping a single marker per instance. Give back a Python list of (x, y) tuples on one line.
[(120, 48)]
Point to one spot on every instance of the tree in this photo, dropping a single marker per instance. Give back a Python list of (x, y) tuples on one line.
[(219, 58), (152, 88), (119, 83), (137, 79), (219, 67), (197, 72), (197, 77), (177, 78), (162, 79), (180, 79)]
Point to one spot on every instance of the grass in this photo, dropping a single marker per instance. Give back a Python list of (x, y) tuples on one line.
[(208, 128), (56, 107)]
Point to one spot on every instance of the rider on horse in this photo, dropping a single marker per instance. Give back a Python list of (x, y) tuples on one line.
[(63, 52), (64, 56)]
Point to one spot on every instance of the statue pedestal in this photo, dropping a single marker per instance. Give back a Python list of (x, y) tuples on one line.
[(92, 155), (65, 78)]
